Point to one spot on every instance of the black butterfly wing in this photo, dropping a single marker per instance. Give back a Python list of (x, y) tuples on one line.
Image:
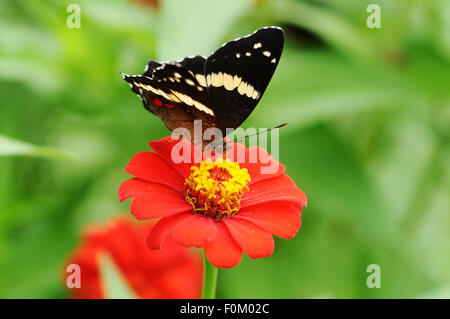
[(172, 92), (196, 66), (237, 74), (151, 66)]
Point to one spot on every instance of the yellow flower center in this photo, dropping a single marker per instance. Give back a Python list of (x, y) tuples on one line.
[(215, 189)]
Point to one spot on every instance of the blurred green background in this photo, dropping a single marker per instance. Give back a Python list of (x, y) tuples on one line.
[(367, 140)]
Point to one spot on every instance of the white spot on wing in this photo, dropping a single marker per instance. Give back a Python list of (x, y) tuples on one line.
[(236, 81), (174, 98), (249, 91), (163, 94), (201, 79), (189, 101), (185, 98), (228, 82), (242, 88), (217, 79), (238, 55), (257, 45), (199, 106), (248, 54), (273, 60), (266, 53), (190, 82), (152, 89)]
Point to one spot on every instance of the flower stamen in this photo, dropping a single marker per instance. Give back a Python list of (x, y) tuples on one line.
[(215, 189)]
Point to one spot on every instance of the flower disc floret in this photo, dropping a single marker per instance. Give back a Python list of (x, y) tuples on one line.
[(215, 189)]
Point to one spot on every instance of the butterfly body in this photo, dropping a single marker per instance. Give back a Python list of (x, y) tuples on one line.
[(221, 90)]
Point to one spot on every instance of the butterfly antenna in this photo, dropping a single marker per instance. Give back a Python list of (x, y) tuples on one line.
[(268, 130), (124, 76)]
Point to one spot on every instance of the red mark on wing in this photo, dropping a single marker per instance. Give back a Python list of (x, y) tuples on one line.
[(170, 106), (157, 102)]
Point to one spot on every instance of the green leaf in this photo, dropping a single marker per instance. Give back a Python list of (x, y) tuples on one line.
[(10, 146), (113, 283)]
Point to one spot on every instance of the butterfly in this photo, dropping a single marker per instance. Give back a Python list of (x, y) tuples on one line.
[(221, 90)]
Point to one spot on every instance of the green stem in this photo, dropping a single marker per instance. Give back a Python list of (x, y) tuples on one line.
[(209, 279)]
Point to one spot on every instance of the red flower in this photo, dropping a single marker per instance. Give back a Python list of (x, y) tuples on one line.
[(223, 206), (172, 272)]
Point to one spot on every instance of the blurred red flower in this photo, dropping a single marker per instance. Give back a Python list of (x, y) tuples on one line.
[(172, 272), (221, 205)]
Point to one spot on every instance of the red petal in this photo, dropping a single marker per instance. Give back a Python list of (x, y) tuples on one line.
[(154, 205), (195, 231), (279, 218), (268, 184), (280, 193), (151, 167), (256, 160), (252, 239), (135, 187), (223, 251), (163, 228), (164, 148)]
